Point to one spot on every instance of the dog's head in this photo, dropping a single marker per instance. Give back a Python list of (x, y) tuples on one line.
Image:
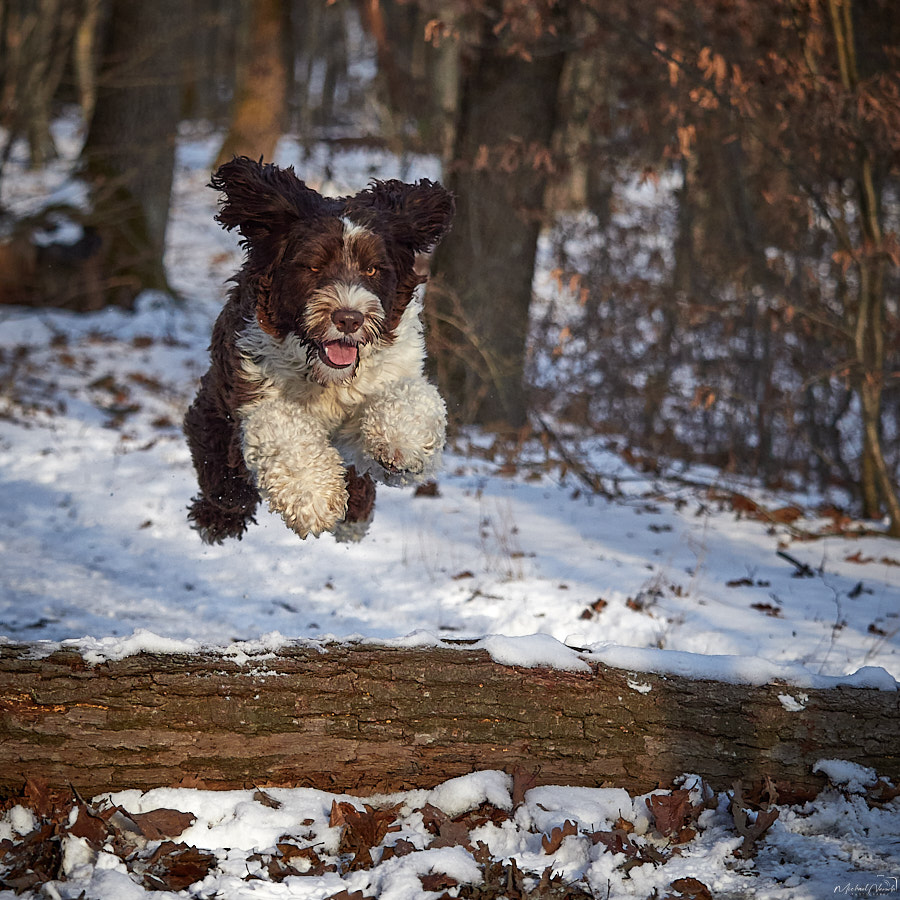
[(335, 272)]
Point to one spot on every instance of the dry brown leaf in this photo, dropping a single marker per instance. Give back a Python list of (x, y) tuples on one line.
[(689, 889), (523, 782), (552, 842), (267, 800), (398, 849), (882, 792), (89, 826), (340, 809), (859, 558), (750, 831), (290, 852), (362, 830), (767, 608), (428, 489), (37, 797), (36, 859), (483, 814), (670, 812), (433, 818), (739, 582), (684, 836), (159, 824), (47, 802), (174, 867), (437, 881), (787, 514), (616, 841), (452, 834)]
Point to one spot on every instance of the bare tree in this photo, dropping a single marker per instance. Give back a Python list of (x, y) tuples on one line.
[(482, 290), (867, 320), (35, 44), (129, 153), (260, 100)]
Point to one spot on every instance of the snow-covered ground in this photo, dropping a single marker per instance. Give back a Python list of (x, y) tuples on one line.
[(95, 549)]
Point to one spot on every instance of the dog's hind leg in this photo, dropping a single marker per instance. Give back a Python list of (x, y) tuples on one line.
[(227, 500), (360, 508)]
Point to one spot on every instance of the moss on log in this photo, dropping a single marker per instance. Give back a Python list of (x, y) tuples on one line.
[(363, 718)]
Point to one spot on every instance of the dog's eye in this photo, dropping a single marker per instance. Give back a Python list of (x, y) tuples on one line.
[(372, 271), (314, 268)]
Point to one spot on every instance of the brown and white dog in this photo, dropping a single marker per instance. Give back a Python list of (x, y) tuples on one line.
[(316, 380)]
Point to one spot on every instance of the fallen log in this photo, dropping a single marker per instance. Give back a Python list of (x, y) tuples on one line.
[(362, 719)]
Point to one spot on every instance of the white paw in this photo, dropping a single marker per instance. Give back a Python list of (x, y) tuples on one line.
[(404, 465), (307, 508), (403, 431)]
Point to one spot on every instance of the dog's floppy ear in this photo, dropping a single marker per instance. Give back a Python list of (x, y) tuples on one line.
[(419, 214), (261, 198)]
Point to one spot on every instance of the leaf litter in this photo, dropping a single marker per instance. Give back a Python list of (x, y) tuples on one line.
[(688, 841)]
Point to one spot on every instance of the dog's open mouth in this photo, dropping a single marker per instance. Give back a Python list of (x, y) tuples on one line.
[(338, 354)]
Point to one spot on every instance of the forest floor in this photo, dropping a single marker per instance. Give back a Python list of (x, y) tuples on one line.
[(558, 535)]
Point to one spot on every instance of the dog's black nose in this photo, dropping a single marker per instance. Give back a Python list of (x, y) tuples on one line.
[(347, 320)]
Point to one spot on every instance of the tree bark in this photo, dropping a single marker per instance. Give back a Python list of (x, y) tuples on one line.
[(260, 101), (481, 292), (35, 44), (129, 153), (877, 482), (363, 718)]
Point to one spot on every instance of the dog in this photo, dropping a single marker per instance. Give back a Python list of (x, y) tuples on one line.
[(316, 385)]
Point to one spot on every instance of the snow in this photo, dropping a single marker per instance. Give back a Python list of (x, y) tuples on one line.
[(532, 650), (851, 776), (793, 704), (458, 795), (99, 650), (18, 821), (735, 669), (513, 556)]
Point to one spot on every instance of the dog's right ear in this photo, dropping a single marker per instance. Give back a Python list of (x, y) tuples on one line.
[(261, 198)]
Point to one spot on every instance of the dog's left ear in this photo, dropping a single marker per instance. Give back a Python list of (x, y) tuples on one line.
[(419, 214)]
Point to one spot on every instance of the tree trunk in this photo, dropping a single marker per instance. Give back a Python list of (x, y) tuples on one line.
[(260, 101), (35, 44), (482, 286), (878, 487), (129, 154), (869, 352), (362, 718)]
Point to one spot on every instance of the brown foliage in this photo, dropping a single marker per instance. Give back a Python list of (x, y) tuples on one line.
[(362, 830)]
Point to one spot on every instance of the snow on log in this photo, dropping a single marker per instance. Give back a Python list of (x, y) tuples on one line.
[(363, 718)]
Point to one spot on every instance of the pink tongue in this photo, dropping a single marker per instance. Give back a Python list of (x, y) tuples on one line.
[(340, 354)]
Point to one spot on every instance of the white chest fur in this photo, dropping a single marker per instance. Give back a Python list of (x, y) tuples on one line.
[(298, 435)]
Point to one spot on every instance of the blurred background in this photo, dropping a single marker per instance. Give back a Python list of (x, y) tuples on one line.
[(677, 222)]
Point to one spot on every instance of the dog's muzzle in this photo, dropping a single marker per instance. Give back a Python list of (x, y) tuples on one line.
[(344, 352)]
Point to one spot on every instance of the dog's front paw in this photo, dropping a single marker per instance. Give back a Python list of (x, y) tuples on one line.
[(403, 431), (307, 508), (401, 461)]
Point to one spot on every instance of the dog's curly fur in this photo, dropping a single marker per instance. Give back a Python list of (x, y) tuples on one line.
[(316, 383)]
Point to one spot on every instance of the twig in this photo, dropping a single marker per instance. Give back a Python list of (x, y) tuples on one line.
[(587, 477), (803, 569)]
